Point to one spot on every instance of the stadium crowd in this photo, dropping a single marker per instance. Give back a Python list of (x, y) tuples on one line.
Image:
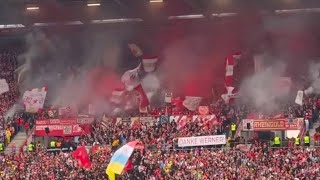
[(258, 162), (161, 159), (8, 64)]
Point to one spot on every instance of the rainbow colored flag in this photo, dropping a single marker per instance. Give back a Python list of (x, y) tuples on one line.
[(120, 159)]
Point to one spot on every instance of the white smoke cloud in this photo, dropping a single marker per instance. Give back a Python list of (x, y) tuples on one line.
[(63, 66), (11, 112), (151, 85), (259, 89), (314, 76), (151, 82)]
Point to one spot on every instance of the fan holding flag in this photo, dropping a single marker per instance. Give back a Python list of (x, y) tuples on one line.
[(120, 160), (132, 79)]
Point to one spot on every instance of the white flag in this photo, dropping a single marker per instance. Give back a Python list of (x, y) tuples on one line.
[(192, 103), (4, 87), (34, 99), (226, 97), (131, 78), (299, 98)]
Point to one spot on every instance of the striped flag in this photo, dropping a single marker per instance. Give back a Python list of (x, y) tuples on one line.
[(230, 63), (105, 121), (120, 159)]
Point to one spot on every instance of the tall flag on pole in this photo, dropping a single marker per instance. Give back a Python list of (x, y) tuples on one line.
[(229, 71), (230, 63), (119, 159), (229, 84)]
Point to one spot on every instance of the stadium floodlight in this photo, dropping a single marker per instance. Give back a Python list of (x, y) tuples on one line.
[(292, 11), (93, 4), (122, 20), (156, 1), (32, 8), (8, 26), (191, 16), (224, 15)]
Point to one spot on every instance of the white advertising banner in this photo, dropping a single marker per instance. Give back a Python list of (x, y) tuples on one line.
[(202, 141)]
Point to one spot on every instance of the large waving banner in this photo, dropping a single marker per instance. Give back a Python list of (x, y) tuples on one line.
[(34, 99), (4, 87), (131, 78)]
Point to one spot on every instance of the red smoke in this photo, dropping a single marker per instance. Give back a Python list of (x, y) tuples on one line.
[(104, 81), (193, 59)]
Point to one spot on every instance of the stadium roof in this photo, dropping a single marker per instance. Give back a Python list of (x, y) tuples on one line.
[(78, 11)]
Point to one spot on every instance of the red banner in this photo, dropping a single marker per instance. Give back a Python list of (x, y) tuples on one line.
[(278, 124), (63, 127), (62, 130), (72, 121)]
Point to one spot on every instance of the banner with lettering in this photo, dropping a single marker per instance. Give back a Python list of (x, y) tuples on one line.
[(34, 100), (202, 141), (63, 127), (71, 121), (62, 130), (272, 124)]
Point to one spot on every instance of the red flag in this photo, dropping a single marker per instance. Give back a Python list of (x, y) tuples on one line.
[(143, 99), (81, 155)]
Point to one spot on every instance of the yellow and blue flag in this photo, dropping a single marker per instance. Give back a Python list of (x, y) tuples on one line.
[(120, 159)]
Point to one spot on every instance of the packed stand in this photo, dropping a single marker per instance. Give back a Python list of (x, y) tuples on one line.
[(8, 64), (258, 162)]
